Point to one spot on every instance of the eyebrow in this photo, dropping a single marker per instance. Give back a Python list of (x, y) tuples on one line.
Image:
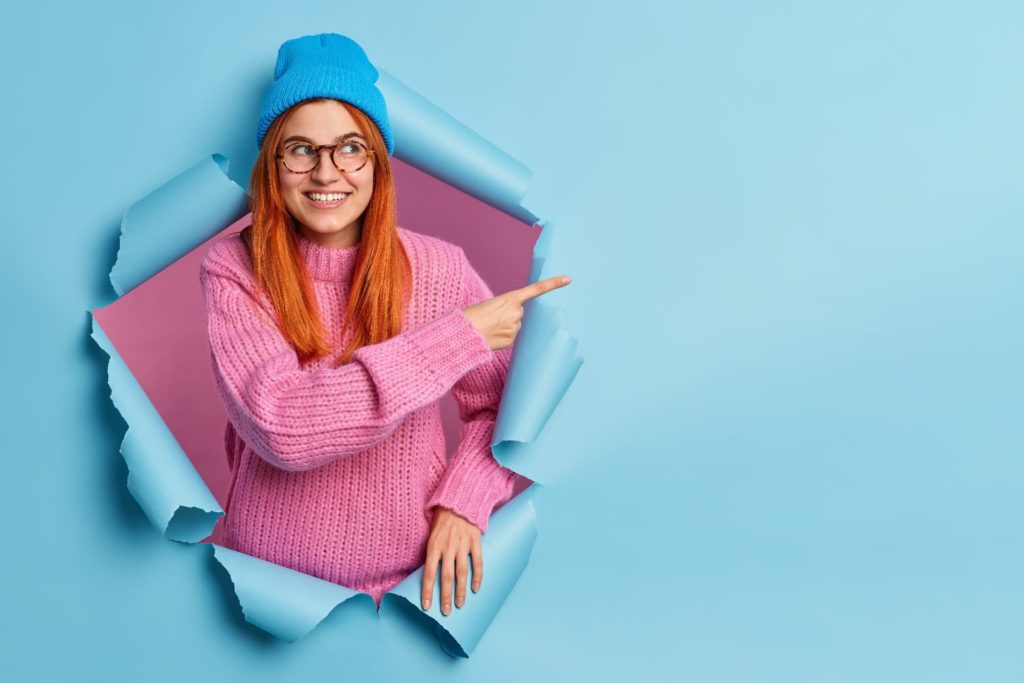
[(351, 134)]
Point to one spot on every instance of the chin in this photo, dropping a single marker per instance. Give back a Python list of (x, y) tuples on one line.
[(326, 228)]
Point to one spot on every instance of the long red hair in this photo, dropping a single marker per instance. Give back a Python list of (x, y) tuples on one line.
[(381, 272)]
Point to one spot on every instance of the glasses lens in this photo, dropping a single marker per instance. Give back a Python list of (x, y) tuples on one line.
[(349, 156), (300, 158)]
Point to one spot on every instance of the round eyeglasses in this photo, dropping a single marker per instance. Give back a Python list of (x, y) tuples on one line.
[(348, 156)]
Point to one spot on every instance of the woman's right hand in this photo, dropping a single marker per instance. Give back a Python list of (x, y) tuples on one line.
[(498, 319)]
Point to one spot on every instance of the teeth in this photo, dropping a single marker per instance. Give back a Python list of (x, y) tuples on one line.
[(316, 196)]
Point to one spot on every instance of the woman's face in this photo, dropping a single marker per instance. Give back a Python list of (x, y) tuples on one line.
[(331, 223)]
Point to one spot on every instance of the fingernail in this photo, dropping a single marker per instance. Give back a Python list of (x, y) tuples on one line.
[(426, 604), (447, 608)]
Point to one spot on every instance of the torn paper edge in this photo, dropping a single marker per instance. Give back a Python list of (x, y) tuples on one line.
[(281, 601), (161, 477), (159, 228)]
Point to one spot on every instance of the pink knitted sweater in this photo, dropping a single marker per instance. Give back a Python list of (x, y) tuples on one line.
[(335, 470)]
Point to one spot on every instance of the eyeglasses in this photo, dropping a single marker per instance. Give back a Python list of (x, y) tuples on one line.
[(348, 156)]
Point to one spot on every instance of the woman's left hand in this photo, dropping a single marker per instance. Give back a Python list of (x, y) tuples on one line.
[(452, 538)]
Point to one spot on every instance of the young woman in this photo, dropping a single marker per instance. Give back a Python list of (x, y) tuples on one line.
[(334, 332)]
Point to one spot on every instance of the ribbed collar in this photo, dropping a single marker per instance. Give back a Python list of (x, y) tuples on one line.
[(331, 264)]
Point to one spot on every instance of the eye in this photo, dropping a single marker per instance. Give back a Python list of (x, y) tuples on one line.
[(302, 150), (351, 148)]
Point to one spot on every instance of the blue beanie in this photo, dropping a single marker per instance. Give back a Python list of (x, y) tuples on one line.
[(324, 65)]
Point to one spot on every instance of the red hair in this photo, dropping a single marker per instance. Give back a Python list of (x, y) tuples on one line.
[(381, 271)]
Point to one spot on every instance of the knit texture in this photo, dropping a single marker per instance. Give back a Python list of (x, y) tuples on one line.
[(336, 470)]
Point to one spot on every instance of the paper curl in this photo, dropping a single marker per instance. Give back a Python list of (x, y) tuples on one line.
[(160, 476), (162, 240), (545, 360)]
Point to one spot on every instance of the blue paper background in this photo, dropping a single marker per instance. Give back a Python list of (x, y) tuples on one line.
[(794, 228)]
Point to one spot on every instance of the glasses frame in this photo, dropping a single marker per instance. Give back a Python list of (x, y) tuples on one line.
[(319, 157)]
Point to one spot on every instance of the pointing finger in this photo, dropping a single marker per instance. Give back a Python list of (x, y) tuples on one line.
[(540, 287)]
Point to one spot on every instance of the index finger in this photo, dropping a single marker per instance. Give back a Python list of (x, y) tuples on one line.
[(539, 287)]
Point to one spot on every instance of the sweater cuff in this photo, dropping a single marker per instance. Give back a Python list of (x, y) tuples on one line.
[(449, 347), (474, 492)]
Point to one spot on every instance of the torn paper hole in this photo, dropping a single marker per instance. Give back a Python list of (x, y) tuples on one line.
[(162, 383)]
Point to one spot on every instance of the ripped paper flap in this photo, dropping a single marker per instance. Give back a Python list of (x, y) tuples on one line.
[(170, 221)]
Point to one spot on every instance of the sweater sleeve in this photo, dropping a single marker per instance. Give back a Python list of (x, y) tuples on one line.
[(474, 483), (299, 418)]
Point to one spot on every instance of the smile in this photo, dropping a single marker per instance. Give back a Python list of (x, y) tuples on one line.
[(326, 200)]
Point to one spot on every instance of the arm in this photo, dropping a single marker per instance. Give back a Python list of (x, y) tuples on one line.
[(473, 483), (302, 418)]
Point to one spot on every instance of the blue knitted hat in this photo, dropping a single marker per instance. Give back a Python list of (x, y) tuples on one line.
[(324, 65)]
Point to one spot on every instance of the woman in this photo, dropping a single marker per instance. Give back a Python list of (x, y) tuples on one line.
[(334, 333)]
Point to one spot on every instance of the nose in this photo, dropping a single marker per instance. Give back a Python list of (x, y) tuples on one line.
[(326, 172)]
